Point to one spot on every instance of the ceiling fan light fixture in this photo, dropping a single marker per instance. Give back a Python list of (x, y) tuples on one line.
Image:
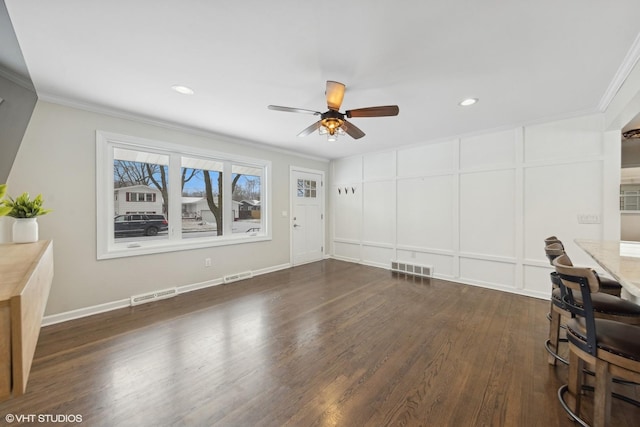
[(331, 124), (467, 102), (331, 136)]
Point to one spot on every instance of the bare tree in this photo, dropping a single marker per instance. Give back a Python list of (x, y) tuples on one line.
[(249, 191), (127, 174), (187, 175), (214, 207), (161, 184)]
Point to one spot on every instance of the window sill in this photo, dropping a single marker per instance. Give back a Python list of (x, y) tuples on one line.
[(122, 250)]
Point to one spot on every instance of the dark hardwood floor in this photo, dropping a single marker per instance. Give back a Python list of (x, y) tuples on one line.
[(326, 344)]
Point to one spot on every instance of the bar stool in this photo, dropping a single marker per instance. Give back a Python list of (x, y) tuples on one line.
[(612, 347), (607, 286), (604, 306)]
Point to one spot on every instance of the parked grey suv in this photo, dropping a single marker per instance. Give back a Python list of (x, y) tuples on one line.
[(139, 224)]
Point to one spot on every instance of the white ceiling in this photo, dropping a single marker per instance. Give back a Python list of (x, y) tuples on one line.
[(527, 61)]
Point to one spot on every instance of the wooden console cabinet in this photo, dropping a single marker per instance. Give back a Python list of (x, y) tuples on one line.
[(26, 272)]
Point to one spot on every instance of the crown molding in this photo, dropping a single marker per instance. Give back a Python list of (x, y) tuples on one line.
[(630, 61), (122, 114)]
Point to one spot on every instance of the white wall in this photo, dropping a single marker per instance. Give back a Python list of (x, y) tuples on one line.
[(57, 158), (478, 208)]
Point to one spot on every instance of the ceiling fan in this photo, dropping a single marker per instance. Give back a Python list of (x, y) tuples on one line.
[(332, 122)]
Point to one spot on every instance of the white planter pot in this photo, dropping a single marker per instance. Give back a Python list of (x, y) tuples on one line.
[(25, 230)]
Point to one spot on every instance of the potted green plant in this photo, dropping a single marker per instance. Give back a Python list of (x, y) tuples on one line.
[(26, 211)]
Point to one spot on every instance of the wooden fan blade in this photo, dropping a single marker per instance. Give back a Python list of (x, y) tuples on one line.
[(310, 129), (292, 110), (335, 94), (386, 110), (353, 131)]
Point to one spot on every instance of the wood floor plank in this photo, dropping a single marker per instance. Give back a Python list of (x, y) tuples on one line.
[(329, 343)]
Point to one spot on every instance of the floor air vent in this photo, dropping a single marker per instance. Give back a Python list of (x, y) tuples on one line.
[(412, 269), (237, 276), (153, 296)]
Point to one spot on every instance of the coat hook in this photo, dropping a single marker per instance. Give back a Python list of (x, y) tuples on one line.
[(353, 190), (346, 190), (339, 190)]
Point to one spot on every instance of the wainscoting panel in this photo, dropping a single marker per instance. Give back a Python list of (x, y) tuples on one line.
[(425, 212), (487, 212), (347, 211), (536, 279), (555, 198), (427, 159), (377, 255), (564, 139), (379, 212), (489, 150), (347, 251), (379, 166), (348, 169), (489, 273)]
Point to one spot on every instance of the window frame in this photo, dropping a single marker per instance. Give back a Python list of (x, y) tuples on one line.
[(108, 247)]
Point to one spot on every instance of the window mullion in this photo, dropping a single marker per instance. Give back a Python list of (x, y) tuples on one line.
[(175, 197), (227, 200)]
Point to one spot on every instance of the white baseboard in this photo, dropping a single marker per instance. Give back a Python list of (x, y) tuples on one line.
[(114, 305), (84, 312), (497, 287)]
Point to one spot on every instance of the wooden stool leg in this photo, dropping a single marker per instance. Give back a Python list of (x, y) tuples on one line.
[(576, 377), (602, 396), (554, 334)]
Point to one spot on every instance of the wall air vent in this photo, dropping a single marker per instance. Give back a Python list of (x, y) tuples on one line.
[(237, 276), (153, 296), (412, 269)]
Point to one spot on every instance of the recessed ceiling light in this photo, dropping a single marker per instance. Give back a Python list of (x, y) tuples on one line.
[(183, 89), (468, 101)]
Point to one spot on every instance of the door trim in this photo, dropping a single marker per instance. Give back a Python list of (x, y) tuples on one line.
[(292, 170)]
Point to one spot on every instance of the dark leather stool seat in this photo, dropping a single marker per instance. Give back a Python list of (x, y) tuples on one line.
[(611, 336), (609, 305), (610, 286)]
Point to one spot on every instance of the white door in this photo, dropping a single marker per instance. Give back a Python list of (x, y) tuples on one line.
[(307, 216)]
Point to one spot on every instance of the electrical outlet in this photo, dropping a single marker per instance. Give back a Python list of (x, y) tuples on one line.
[(207, 262)]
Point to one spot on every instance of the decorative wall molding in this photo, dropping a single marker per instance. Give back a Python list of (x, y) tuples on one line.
[(476, 209)]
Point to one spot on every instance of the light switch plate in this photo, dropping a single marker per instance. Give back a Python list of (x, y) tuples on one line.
[(588, 219)]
